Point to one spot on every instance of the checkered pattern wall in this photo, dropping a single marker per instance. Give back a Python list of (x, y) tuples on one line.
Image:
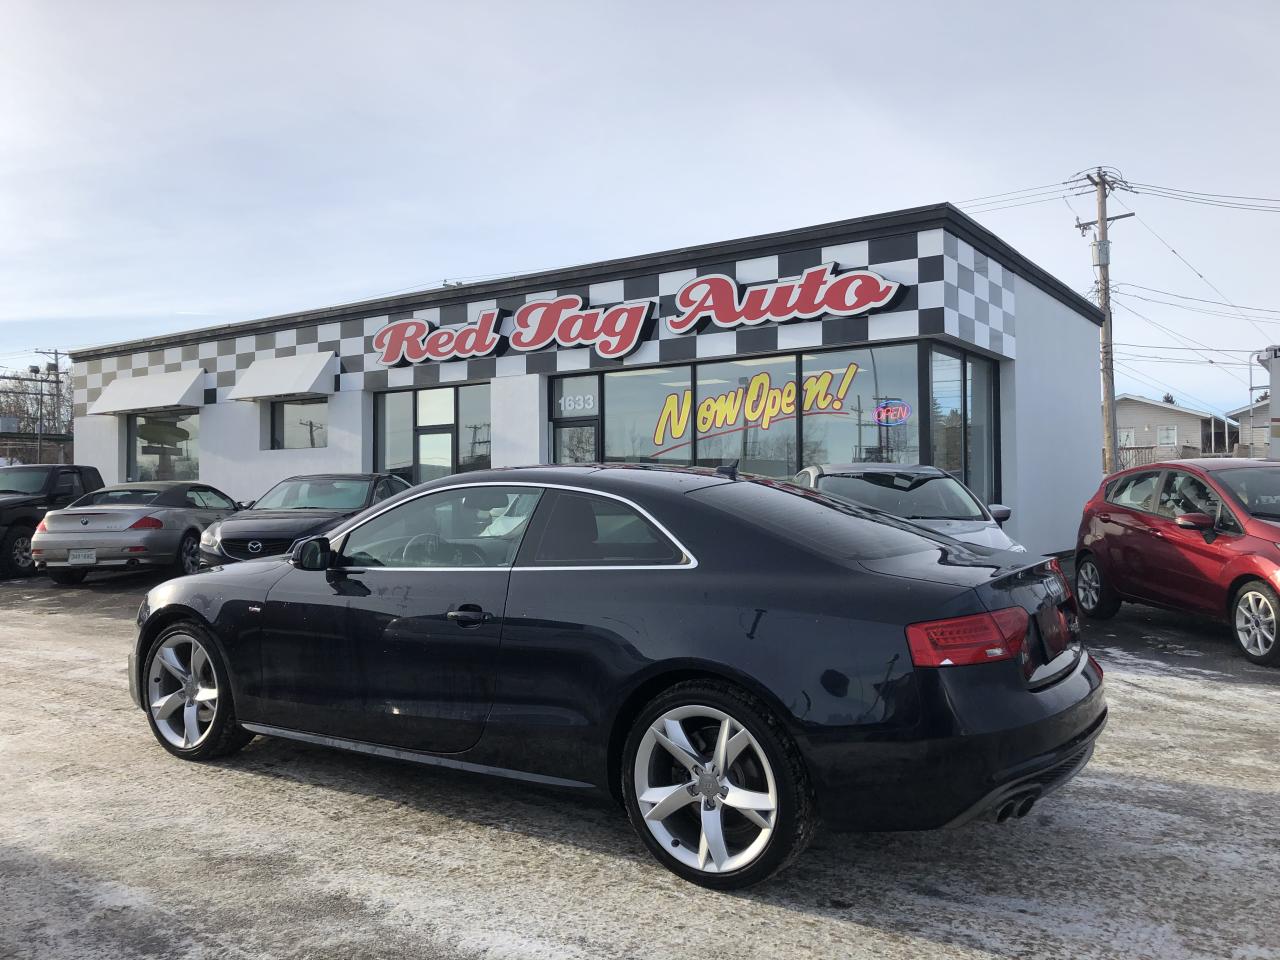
[(949, 288)]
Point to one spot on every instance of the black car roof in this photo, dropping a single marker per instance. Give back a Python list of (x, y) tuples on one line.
[(336, 476), (635, 478)]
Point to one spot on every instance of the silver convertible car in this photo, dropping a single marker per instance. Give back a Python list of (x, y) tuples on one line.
[(129, 525)]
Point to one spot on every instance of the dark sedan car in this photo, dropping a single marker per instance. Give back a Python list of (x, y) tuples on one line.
[(292, 509), (733, 659), (1196, 535)]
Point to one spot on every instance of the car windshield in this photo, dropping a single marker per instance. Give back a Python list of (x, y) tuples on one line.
[(108, 497), (1256, 488), (316, 493), (23, 479), (907, 495)]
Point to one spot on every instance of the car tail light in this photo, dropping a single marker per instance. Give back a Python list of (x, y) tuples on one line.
[(960, 641), (1056, 567), (146, 523), (1096, 665), (42, 527)]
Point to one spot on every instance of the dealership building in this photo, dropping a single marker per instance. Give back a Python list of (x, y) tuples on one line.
[(910, 337)]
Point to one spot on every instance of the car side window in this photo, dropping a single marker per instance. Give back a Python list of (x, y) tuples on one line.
[(68, 484), (214, 500), (584, 530), (1134, 491), (1186, 493), (384, 490), (194, 500), (464, 527)]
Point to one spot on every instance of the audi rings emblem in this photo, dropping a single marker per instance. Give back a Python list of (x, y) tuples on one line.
[(254, 546)]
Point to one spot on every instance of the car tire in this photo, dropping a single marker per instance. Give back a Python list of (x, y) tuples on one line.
[(1093, 593), (1255, 612), (704, 837), (187, 561), (207, 727), (15, 552), (67, 578)]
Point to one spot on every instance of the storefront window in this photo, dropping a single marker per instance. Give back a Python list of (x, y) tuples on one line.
[(164, 446), (861, 406), (427, 434), (947, 411), (473, 427), (746, 411), (394, 415), (864, 405), (299, 424), (980, 427), (647, 416)]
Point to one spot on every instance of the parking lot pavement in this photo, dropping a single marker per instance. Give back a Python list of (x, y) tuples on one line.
[(1168, 846)]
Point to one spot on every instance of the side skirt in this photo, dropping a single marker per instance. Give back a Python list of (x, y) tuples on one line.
[(414, 756)]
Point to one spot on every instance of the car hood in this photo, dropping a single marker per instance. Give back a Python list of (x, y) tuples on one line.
[(281, 523), (984, 533)]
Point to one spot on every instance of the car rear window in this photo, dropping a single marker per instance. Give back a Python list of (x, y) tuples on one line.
[(814, 521), (108, 497)]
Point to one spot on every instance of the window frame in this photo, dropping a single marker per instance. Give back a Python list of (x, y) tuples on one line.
[(1167, 426), (276, 438), (417, 429), (541, 523), (1152, 498), (924, 390), (1232, 528), (536, 522)]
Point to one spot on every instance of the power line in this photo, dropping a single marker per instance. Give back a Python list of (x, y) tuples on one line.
[(1204, 311), (1010, 193), (1175, 391), (1183, 296), (1190, 267), (1161, 346), (1201, 193), (1183, 337)]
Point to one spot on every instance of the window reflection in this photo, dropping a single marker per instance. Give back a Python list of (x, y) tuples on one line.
[(164, 446)]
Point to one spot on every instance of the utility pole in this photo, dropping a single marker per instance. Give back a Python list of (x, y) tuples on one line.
[(1102, 260)]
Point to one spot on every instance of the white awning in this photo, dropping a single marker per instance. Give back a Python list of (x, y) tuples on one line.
[(305, 375), (155, 391)]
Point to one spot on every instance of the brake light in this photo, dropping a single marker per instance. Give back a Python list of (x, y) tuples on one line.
[(1056, 567), (42, 527), (1096, 665), (961, 641), (146, 523)]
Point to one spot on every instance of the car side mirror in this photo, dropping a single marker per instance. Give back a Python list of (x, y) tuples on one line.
[(313, 554), (1195, 521), (999, 512), (248, 505)]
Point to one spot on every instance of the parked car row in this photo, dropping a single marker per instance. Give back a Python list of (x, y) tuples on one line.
[(63, 521)]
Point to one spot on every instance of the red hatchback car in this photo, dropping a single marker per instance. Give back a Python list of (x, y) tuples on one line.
[(1195, 535)]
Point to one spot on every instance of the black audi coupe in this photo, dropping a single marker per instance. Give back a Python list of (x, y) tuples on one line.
[(734, 659)]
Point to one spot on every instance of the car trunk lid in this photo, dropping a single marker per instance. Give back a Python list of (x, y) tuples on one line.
[(103, 519)]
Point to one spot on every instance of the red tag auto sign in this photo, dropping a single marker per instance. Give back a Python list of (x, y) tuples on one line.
[(616, 331)]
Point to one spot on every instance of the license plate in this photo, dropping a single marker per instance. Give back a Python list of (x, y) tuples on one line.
[(82, 556)]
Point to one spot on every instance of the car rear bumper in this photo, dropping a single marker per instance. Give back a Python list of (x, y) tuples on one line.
[(112, 549), (963, 773)]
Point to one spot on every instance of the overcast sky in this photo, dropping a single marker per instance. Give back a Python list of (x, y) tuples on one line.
[(174, 165)]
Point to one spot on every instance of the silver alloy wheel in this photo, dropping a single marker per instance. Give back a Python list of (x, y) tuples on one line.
[(190, 554), (1088, 585), (713, 807), (182, 691), (22, 552), (1255, 623)]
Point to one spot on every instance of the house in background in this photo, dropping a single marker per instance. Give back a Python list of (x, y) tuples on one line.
[(1255, 427), (1149, 431)]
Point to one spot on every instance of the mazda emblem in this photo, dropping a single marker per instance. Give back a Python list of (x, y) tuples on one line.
[(254, 546)]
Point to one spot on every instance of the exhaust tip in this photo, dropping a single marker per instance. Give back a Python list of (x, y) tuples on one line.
[(1005, 812), (1024, 807)]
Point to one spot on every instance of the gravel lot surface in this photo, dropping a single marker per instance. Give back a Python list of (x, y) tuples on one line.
[(1167, 846)]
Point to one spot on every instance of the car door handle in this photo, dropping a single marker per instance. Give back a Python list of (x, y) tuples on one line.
[(469, 615), (1104, 517)]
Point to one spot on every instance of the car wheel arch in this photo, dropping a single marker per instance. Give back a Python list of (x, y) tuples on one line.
[(1237, 584), (156, 625), (662, 677)]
